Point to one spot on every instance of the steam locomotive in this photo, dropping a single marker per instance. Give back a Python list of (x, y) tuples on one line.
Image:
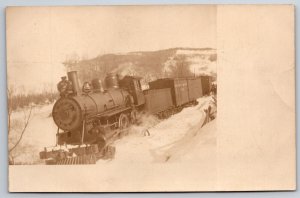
[(90, 119)]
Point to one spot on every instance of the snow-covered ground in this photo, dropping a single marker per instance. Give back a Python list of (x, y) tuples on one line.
[(39, 133), (178, 155), (177, 139)]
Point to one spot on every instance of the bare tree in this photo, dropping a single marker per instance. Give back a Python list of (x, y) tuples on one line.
[(10, 92), (181, 67), (27, 116)]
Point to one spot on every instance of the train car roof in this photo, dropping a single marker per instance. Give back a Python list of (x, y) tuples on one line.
[(189, 77), (133, 77)]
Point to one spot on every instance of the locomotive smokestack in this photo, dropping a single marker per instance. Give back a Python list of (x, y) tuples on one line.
[(72, 76)]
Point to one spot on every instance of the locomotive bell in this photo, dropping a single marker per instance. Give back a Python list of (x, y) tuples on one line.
[(112, 81), (86, 88)]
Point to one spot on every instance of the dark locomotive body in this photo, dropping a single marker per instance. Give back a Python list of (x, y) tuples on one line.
[(91, 118)]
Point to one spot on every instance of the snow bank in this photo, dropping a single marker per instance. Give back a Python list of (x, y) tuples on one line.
[(167, 137), (178, 155)]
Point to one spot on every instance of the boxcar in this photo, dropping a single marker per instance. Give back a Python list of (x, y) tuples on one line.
[(158, 100), (206, 84), (178, 86), (194, 88)]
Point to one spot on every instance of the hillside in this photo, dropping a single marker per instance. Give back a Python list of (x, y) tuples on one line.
[(174, 62)]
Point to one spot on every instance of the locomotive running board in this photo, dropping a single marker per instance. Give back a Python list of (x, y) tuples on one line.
[(112, 112)]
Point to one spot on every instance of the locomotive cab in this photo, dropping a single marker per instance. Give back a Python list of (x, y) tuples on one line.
[(133, 85)]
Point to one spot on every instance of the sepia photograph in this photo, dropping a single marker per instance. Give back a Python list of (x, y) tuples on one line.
[(76, 98), (126, 96)]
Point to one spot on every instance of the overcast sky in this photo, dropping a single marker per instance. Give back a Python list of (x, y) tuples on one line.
[(39, 39)]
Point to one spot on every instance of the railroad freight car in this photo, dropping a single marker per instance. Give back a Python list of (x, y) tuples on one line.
[(206, 82), (158, 100), (178, 87), (194, 88)]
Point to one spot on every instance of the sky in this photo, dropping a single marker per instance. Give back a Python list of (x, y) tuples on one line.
[(39, 39)]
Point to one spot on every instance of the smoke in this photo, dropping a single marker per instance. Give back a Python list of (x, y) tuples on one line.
[(124, 69), (145, 123)]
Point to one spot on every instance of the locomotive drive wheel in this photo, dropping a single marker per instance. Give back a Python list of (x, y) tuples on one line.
[(134, 116), (123, 124)]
